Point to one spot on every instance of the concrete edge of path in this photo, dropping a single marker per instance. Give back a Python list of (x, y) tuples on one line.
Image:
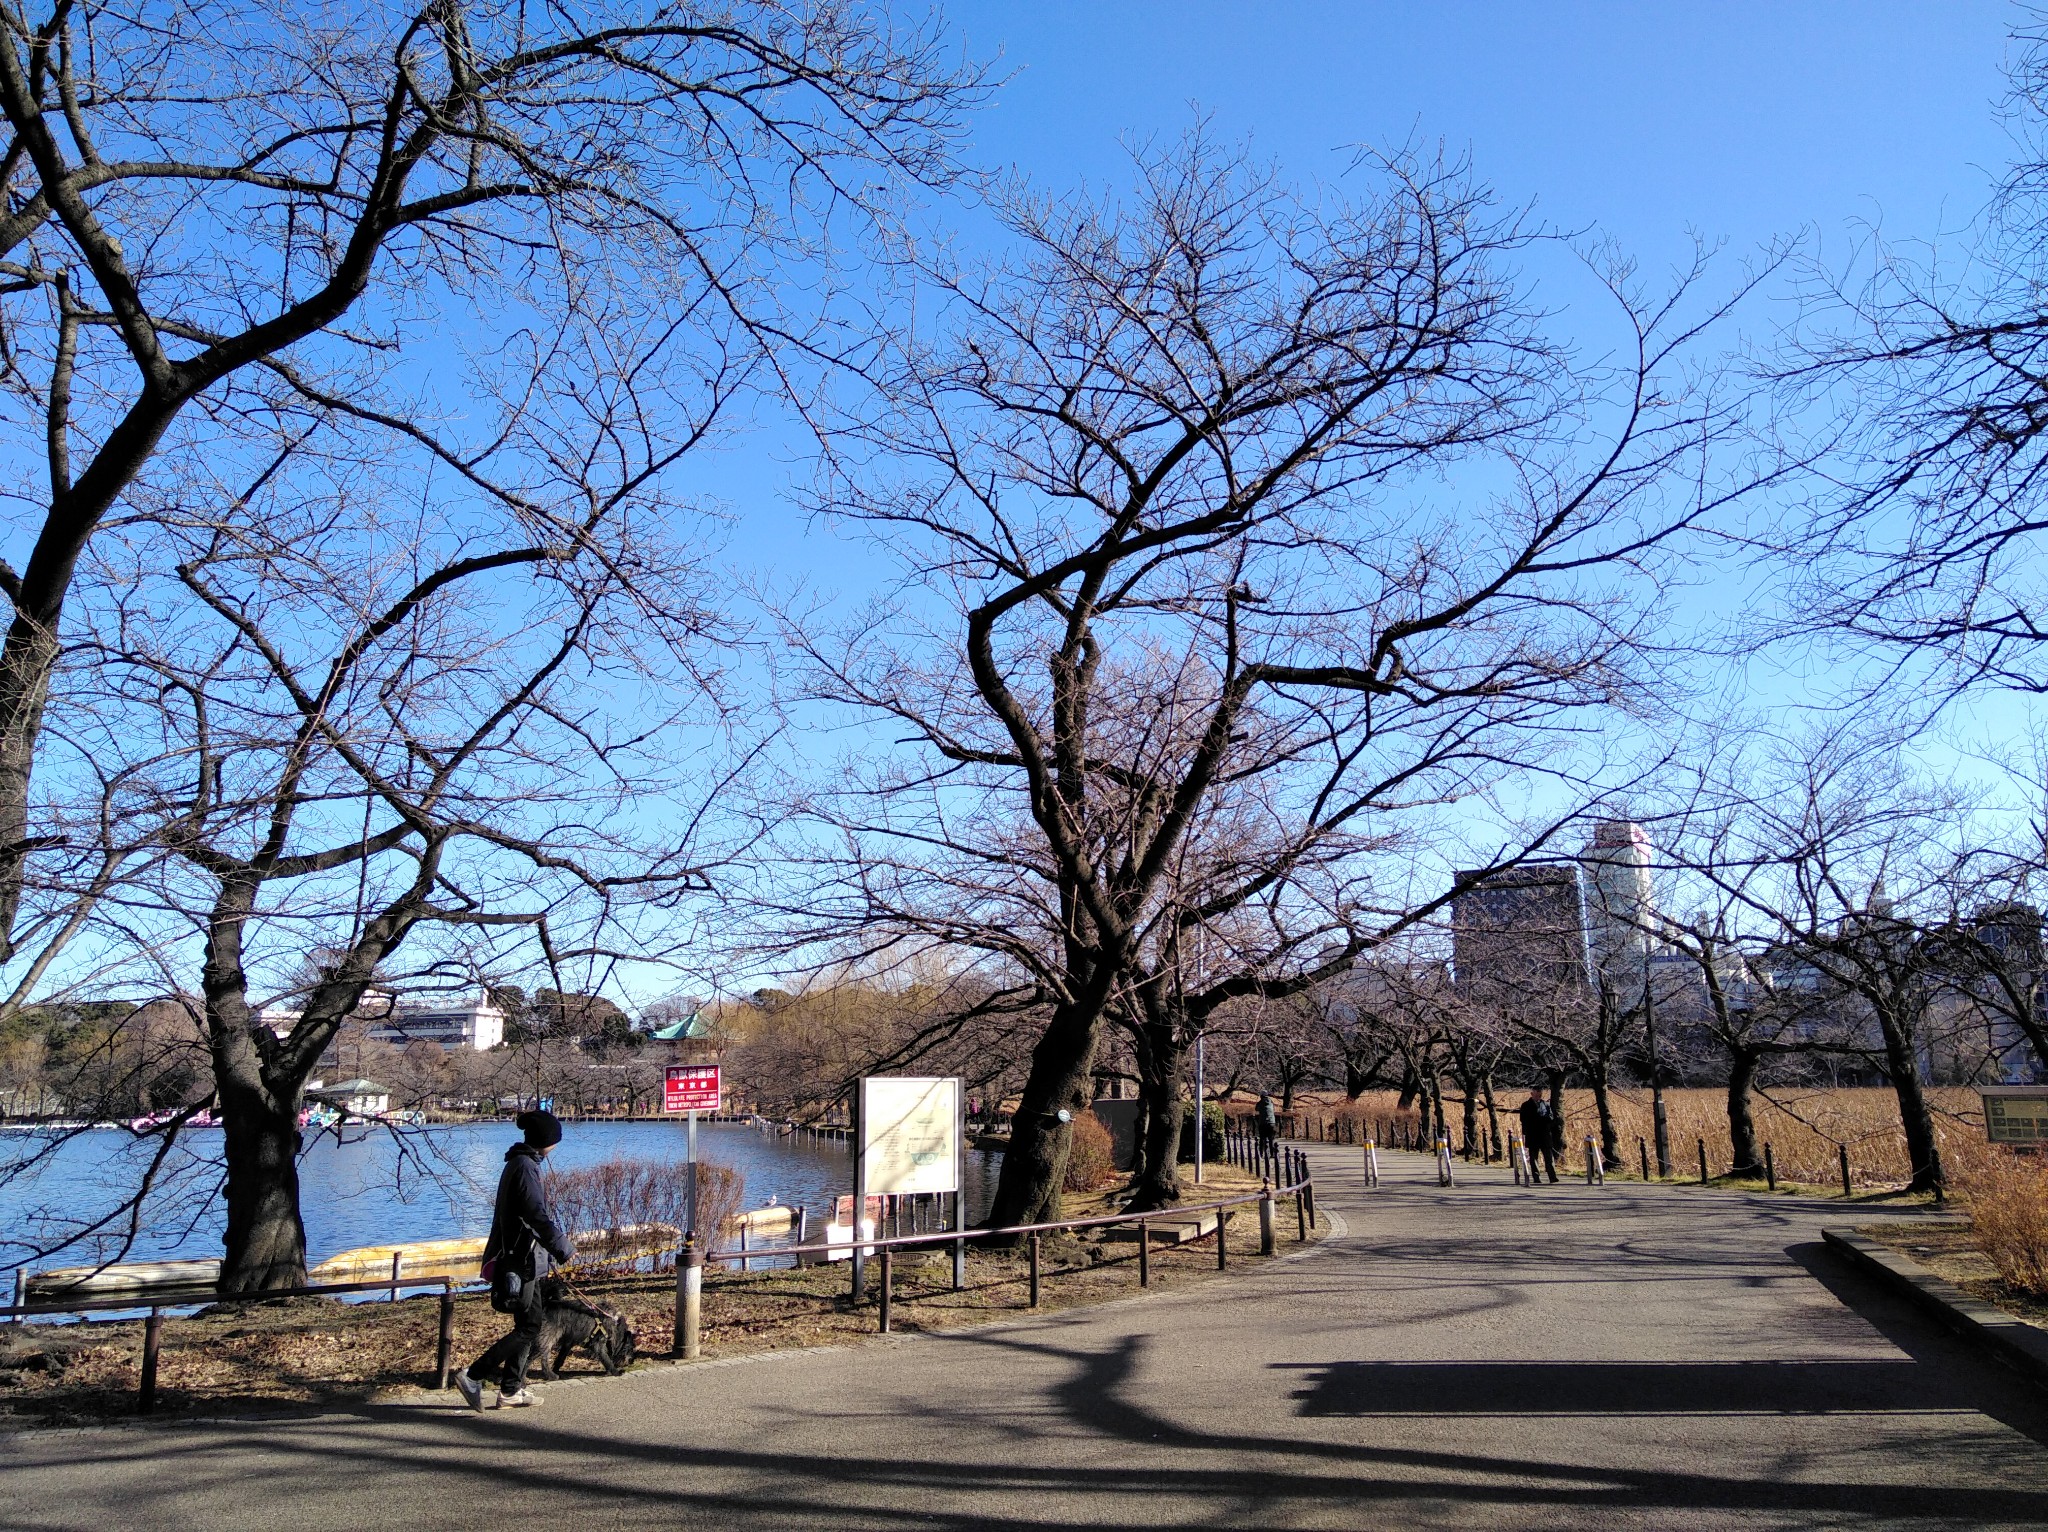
[(2021, 1346)]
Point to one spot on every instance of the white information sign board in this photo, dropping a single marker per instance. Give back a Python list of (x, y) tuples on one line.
[(909, 1135)]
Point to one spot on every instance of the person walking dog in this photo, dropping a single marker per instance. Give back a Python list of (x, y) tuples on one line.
[(524, 1245), (1539, 1132)]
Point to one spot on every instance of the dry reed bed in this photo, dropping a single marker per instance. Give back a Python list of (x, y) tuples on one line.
[(1806, 1126)]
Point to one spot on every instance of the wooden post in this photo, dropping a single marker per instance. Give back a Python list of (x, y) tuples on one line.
[(1034, 1271), (1844, 1148), (444, 1344), (152, 1344), (1308, 1192), (1643, 1150), (1301, 1212), (689, 1300), (1266, 1219), (397, 1261), (1144, 1254), (888, 1285), (1703, 1162), (1770, 1169), (1222, 1248)]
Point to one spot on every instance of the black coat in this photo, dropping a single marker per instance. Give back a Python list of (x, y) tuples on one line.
[(524, 1235), (1539, 1128)]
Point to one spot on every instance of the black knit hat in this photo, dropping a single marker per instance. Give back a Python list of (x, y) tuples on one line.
[(543, 1130)]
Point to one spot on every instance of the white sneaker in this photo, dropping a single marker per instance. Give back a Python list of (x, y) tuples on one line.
[(471, 1390), (524, 1399)]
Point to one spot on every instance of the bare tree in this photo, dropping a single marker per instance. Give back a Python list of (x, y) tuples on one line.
[(1928, 387), (1190, 435), (227, 228)]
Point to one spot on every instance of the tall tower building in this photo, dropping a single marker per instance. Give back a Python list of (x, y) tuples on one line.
[(1621, 909)]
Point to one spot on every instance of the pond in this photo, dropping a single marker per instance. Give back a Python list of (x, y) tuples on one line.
[(383, 1187)]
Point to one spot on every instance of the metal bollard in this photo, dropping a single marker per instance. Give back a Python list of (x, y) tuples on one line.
[(1596, 1173), (1034, 1271), (1443, 1161), (1222, 1249), (1308, 1194), (1643, 1150), (888, 1286), (444, 1345), (689, 1300), (1266, 1219), (959, 1262), (152, 1344), (1372, 1163), (397, 1261), (1144, 1255), (1703, 1162), (1770, 1169), (1844, 1148)]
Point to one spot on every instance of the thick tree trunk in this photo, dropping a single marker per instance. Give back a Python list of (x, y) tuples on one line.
[(1902, 1063), (266, 1240), (1157, 1183), (1741, 1121), (1029, 1187), (1471, 1118)]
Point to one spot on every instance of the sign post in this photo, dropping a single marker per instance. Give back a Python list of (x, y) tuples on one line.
[(691, 1088), (1201, 1113)]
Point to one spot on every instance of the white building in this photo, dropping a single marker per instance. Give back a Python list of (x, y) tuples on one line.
[(455, 1022), (1621, 909)]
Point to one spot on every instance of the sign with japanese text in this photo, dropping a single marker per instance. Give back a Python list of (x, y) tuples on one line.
[(690, 1088), (909, 1135)]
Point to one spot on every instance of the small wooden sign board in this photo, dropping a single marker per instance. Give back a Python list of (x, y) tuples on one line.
[(2015, 1114)]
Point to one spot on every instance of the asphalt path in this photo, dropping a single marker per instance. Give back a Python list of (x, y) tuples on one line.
[(1477, 1356)]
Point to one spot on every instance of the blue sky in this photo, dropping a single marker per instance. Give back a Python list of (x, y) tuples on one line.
[(1743, 123)]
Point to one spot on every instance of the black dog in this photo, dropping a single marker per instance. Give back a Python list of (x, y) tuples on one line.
[(605, 1338)]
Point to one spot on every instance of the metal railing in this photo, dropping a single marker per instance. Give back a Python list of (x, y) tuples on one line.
[(153, 1325), (690, 1262)]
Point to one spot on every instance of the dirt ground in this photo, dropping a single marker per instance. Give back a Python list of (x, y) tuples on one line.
[(317, 1352), (1945, 1248)]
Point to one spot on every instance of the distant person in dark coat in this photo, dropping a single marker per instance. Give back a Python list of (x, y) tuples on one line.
[(1269, 1120), (1539, 1132), (524, 1246)]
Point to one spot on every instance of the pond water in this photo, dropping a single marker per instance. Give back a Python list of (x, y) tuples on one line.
[(382, 1187)]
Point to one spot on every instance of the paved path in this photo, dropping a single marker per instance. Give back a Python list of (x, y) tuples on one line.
[(1479, 1357)]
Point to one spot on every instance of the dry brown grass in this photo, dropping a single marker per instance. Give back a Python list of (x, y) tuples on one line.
[(2006, 1196), (1805, 1126)]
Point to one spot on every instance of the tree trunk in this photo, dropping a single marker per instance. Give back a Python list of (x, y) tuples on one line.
[(266, 1240), (1034, 1169), (1492, 1121), (1471, 1118), (1610, 1139), (1742, 1065), (26, 663), (1902, 1063), (1157, 1183)]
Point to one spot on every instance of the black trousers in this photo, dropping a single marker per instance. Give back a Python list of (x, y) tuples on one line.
[(1549, 1157), (510, 1356)]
